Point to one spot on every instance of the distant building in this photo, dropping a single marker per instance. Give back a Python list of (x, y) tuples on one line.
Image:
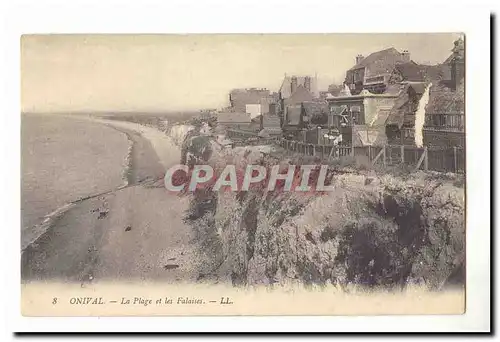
[(235, 120), (301, 94), (295, 90), (239, 99), (291, 83)]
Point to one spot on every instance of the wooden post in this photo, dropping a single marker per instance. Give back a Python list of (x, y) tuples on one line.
[(332, 150), (384, 154), (370, 152), (455, 159), (402, 154), (377, 157), (420, 160), (426, 159)]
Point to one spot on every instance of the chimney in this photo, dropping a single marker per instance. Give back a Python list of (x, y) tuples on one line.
[(307, 83), (359, 58), (294, 84), (406, 56), (458, 64)]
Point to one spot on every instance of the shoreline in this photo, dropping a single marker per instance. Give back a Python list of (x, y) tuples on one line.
[(135, 170), (118, 234)]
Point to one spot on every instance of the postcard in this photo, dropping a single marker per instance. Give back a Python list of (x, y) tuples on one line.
[(230, 174)]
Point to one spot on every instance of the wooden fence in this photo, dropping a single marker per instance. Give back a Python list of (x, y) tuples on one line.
[(427, 158), (448, 159)]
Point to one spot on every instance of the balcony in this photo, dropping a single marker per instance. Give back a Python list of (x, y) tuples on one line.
[(445, 122)]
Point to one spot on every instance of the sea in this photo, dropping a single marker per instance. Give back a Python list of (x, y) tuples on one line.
[(63, 159)]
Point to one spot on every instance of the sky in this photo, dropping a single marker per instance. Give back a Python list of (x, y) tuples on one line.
[(65, 73)]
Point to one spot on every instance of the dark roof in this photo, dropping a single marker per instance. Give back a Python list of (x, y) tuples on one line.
[(414, 72), (379, 62), (443, 100), (398, 114)]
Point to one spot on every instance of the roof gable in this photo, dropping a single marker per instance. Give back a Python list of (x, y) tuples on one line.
[(286, 86), (414, 72), (301, 94)]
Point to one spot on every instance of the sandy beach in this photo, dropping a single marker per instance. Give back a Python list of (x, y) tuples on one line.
[(135, 232)]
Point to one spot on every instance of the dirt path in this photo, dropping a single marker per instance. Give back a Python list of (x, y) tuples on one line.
[(136, 233)]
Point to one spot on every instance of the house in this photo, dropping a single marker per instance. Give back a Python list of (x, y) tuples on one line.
[(291, 83), (299, 117), (445, 116), (360, 118), (294, 90), (373, 72), (444, 121), (400, 124)]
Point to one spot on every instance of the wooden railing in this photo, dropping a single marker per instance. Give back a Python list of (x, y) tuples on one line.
[(450, 159), (445, 122), (447, 159)]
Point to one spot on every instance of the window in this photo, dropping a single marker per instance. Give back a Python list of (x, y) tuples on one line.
[(357, 117)]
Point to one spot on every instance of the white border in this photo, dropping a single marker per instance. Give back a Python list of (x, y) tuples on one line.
[(242, 16)]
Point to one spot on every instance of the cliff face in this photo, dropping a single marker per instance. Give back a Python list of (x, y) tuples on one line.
[(373, 231), (351, 237)]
